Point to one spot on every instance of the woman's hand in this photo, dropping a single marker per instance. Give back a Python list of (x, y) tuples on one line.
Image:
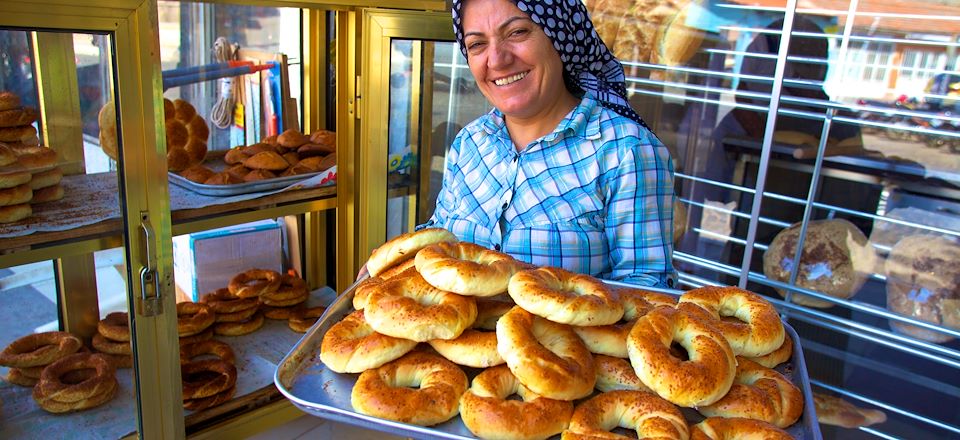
[(363, 272)]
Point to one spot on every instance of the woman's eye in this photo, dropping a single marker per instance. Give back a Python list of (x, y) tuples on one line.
[(518, 32), (474, 45)]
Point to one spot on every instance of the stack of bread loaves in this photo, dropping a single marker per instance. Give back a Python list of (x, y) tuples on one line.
[(554, 337), (29, 172), (186, 133)]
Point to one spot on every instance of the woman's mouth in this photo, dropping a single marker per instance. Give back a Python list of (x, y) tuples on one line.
[(511, 79)]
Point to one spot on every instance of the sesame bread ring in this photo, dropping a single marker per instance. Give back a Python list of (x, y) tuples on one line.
[(722, 428), (239, 328), (57, 407), (649, 415), (31, 372), (351, 346), (405, 247), (120, 360), (255, 282), (210, 402), (9, 100), (46, 178), (202, 336), (759, 393), (287, 302), (16, 195), (616, 374), (222, 301), (611, 340), (39, 349), (16, 376), (115, 326), (548, 358), (193, 318), (488, 414), (212, 347), (35, 158), (18, 116), (303, 319), (109, 346), (370, 284), (757, 329), (207, 377), (565, 297), (281, 313), (290, 287), (777, 356), (702, 379), (52, 388), (473, 348), (17, 134), (14, 178), (7, 156), (240, 316), (15, 213), (466, 268), (419, 388), (409, 307)]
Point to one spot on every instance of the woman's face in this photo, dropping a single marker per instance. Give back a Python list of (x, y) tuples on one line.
[(513, 61)]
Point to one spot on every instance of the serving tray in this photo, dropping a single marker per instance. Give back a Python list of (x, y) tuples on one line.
[(320, 392), (240, 188)]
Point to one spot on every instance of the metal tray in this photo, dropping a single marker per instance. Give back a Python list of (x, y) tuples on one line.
[(303, 379), (240, 188)]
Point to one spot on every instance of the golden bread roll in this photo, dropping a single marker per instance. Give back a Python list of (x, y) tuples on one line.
[(14, 177), (292, 138), (266, 160), (324, 137), (197, 173), (238, 171), (235, 155), (223, 178), (923, 282), (16, 195), (14, 213), (257, 175), (7, 155), (836, 260), (310, 149), (838, 412), (47, 194), (488, 412), (18, 116), (260, 147), (46, 178)]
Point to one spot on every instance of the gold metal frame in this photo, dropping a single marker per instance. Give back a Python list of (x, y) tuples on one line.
[(379, 28)]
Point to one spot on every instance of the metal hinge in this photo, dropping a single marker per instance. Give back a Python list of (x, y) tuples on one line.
[(356, 98)]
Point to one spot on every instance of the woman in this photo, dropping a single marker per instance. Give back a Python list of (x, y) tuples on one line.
[(561, 172)]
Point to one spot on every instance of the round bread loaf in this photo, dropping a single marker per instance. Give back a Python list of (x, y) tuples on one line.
[(187, 132), (923, 282), (836, 260), (677, 42), (108, 129)]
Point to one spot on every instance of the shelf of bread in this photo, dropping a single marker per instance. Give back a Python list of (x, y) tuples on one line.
[(56, 381)]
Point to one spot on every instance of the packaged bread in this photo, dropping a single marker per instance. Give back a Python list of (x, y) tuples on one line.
[(923, 282), (836, 260)]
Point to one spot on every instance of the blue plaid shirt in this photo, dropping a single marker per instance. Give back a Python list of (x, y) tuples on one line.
[(595, 196)]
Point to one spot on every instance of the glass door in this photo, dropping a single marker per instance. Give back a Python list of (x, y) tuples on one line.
[(85, 276), (417, 93)]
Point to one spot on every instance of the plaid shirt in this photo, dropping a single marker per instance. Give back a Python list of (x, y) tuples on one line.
[(595, 196)]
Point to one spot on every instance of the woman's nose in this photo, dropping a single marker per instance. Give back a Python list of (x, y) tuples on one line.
[(500, 55)]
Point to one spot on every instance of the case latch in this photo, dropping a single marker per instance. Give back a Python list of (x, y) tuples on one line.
[(150, 301)]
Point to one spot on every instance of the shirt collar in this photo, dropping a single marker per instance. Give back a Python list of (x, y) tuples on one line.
[(583, 121)]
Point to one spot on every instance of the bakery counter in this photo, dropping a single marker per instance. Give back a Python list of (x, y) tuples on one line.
[(258, 354), (88, 218)]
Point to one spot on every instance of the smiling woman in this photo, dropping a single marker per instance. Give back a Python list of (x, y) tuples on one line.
[(562, 172)]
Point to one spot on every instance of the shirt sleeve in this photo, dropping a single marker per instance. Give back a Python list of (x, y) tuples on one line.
[(639, 214), (445, 200)]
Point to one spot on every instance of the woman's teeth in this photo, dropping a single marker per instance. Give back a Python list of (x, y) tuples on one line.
[(510, 79)]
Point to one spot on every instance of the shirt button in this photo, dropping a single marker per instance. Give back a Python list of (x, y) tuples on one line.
[(496, 247), (504, 205), (515, 158)]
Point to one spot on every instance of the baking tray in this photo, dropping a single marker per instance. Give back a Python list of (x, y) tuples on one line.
[(318, 391), (240, 188)]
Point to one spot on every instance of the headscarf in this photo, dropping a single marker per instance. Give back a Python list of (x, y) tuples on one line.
[(587, 63)]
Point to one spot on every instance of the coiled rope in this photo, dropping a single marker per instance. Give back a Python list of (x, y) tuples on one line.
[(221, 114)]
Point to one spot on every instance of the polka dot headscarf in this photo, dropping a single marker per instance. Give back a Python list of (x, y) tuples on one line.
[(588, 64)]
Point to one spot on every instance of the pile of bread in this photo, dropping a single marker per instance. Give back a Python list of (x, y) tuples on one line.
[(584, 357), (288, 154), (29, 172), (647, 31)]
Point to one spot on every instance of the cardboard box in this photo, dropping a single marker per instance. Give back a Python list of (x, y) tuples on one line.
[(206, 261)]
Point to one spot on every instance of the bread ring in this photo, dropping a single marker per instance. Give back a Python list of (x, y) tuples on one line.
[(701, 380), (649, 415), (611, 340), (209, 402), (239, 328), (48, 194), (202, 336), (193, 318), (283, 313), (104, 345), (419, 388), (254, 282), (405, 247), (9, 100), (489, 311), (614, 373), (16, 376), (290, 287), (368, 285), (197, 380), (39, 349), (15, 213), (46, 178), (287, 302), (777, 356), (15, 178), (18, 116), (213, 347), (757, 329), (565, 297), (548, 358), (31, 372), (465, 268), (16, 195), (488, 414), (222, 301), (240, 316), (7, 156), (17, 134), (35, 158), (119, 360), (722, 428), (759, 393), (409, 307), (351, 346), (115, 326), (303, 319), (473, 348), (52, 388)]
